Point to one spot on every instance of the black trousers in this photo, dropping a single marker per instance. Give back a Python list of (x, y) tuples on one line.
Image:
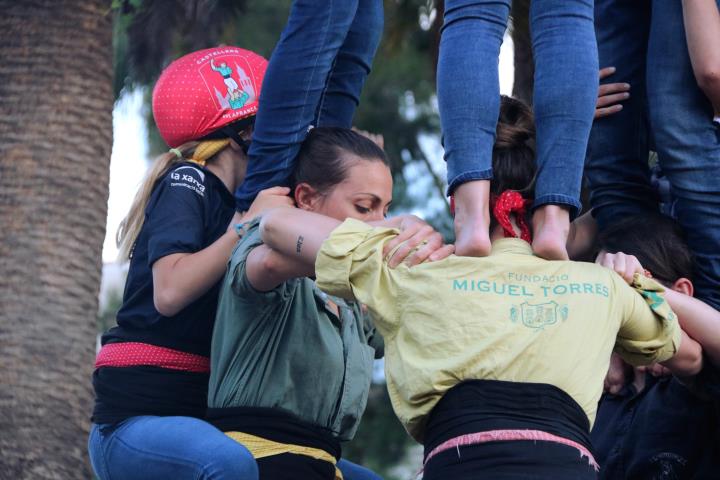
[(510, 460), (477, 406), (289, 466)]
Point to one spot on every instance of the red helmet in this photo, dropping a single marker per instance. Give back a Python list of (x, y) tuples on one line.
[(205, 91)]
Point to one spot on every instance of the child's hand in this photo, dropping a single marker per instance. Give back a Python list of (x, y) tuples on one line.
[(610, 95), (268, 199), (624, 265)]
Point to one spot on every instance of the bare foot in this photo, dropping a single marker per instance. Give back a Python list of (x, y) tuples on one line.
[(472, 219), (551, 226)]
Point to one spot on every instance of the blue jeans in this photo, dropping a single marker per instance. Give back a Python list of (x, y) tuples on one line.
[(353, 471), (178, 448), (314, 77), (565, 92), (645, 40)]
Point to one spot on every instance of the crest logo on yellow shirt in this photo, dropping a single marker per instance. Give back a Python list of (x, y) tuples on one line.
[(538, 316)]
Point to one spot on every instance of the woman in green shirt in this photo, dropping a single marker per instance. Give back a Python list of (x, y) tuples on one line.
[(495, 364), (290, 365)]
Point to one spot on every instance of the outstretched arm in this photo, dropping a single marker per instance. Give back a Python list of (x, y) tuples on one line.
[(699, 320), (702, 30), (687, 362), (296, 234), (293, 237)]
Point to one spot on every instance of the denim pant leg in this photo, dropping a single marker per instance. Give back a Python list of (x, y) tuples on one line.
[(565, 93), (294, 83), (160, 448), (688, 143), (616, 168), (353, 471), (468, 86), (352, 66)]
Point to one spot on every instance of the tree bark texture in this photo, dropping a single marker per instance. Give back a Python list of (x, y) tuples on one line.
[(56, 104)]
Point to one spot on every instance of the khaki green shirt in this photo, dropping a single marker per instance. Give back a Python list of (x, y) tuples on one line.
[(509, 316), (286, 349)]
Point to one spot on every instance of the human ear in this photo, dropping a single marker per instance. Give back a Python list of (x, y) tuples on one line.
[(683, 285), (306, 197)]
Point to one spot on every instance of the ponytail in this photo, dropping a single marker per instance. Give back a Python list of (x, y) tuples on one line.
[(514, 165), (196, 152)]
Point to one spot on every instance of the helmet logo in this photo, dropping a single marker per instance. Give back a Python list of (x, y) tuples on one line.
[(230, 83)]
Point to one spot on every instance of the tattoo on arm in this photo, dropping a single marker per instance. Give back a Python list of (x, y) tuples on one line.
[(298, 245)]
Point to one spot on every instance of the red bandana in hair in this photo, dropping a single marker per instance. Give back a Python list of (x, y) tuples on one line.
[(509, 202)]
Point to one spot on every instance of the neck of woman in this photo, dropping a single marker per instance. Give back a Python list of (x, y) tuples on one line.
[(229, 166)]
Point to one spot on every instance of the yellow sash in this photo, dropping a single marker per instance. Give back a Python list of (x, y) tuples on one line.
[(261, 448)]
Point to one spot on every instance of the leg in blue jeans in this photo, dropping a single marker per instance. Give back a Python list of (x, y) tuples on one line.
[(468, 86), (688, 143), (160, 448), (617, 164), (565, 90), (353, 471), (316, 73), (351, 67), (469, 101), (565, 94), (566, 73)]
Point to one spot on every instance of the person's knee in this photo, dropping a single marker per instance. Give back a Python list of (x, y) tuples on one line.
[(232, 461)]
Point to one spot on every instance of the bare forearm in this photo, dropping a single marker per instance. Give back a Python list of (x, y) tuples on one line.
[(699, 320), (181, 278), (687, 362), (291, 241), (702, 29), (296, 233)]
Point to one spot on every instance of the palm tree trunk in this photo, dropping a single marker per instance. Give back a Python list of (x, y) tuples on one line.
[(55, 138)]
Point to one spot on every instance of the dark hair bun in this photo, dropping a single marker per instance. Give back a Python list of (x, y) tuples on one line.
[(514, 166), (516, 127)]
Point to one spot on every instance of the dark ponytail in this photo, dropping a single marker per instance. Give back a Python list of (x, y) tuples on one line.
[(513, 162), (323, 162)]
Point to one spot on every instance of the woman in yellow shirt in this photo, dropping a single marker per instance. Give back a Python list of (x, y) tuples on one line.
[(495, 364)]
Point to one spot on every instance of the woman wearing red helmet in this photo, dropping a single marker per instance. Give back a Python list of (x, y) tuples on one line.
[(152, 372)]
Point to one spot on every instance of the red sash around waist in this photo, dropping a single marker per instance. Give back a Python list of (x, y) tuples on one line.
[(133, 354)]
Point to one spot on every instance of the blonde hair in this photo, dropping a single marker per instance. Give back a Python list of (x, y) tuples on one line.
[(196, 152)]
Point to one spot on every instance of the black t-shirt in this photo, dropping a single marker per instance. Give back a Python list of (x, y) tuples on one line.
[(665, 431), (189, 209)]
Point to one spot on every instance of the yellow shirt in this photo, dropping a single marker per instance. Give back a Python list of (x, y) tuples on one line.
[(509, 316)]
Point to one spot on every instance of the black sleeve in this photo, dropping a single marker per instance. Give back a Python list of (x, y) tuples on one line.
[(175, 217)]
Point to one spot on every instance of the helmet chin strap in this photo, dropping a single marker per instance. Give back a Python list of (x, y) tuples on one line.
[(234, 135)]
